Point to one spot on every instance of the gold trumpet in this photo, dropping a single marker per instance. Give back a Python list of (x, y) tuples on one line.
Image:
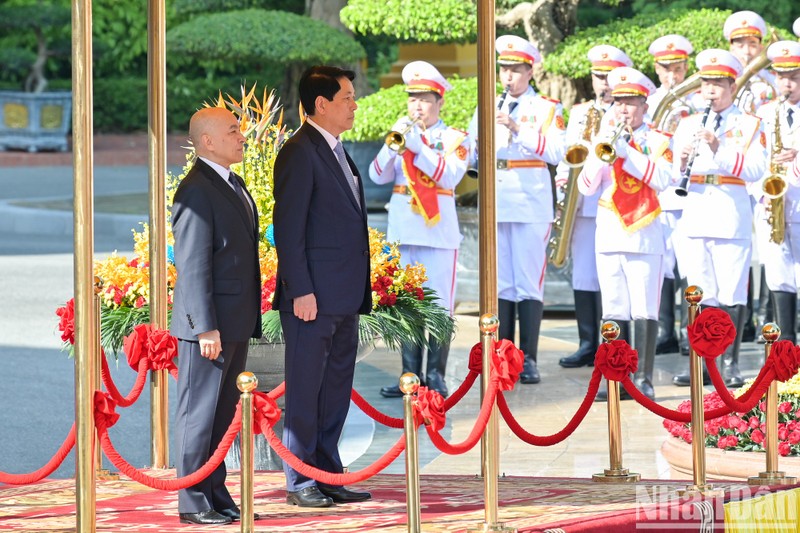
[(605, 151), (396, 140)]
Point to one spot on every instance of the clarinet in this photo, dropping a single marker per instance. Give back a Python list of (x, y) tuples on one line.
[(502, 99), (683, 188)]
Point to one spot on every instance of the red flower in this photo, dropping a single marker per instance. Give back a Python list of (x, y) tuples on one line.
[(386, 281), (757, 436), (267, 293), (794, 437), (785, 407), (784, 448), (140, 301), (66, 324), (616, 359), (784, 360), (712, 332), (783, 432), (420, 294), (753, 422)]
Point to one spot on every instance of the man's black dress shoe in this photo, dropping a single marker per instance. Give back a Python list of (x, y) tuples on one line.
[(682, 379), (308, 497), (529, 374), (343, 495), (208, 518), (391, 392), (236, 515)]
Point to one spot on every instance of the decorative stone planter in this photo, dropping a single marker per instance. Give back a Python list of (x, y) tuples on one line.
[(35, 121), (722, 464)]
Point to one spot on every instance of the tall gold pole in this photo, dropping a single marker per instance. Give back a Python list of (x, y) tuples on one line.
[(409, 385), (157, 166), (86, 331), (247, 383), (772, 476), (615, 473), (693, 295)]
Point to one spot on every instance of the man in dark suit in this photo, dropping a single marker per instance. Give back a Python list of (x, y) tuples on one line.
[(216, 306), (323, 280)]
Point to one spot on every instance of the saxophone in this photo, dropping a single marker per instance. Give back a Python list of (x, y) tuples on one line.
[(567, 208), (774, 186)]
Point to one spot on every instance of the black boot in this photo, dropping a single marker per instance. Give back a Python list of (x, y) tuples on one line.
[(748, 328), (411, 355), (437, 362), (530, 320), (645, 334), (729, 360), (507, 315), (785, 310), (587, 313), (667, 339), (624, 335)]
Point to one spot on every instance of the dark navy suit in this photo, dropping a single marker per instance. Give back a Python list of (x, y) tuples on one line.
[(323, 248), (218, 287)]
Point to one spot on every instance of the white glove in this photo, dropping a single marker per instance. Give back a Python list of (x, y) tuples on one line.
[(401, 124), (414, 140), (621, 146)]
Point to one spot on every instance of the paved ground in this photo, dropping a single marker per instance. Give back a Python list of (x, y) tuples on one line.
[(37, 392)]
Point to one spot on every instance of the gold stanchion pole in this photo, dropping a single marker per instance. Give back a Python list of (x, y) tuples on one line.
[(100, 473), (693, 295), (615, 473), (490, 445), (83, 227), (409, 384), (247, 382), (772, 476), (157, 166)]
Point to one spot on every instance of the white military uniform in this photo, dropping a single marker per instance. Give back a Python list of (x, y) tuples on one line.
[(444, 160), (524, 192), (629, 262)]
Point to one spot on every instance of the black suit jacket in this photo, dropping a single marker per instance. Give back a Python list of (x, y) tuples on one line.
[(216, 256), (320, 232)]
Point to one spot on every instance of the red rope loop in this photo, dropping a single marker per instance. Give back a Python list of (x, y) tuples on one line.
[(265, 411), (429, 409), (47, 469), (616, 360), (711, 333), (477, 429), (171, 484), (784, 360), (476, 358), (330, 478), (555, 438), (748, 400), (105, 409), (136, 390)]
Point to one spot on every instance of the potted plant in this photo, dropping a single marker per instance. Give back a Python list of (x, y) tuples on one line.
[(33, 119)]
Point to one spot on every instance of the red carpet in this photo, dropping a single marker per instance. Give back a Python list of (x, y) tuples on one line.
[(452, 503)]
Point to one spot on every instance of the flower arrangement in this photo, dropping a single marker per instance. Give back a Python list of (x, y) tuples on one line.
[(402, 311), (746, 431)]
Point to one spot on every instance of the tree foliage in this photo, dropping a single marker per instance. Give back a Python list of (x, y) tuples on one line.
[(257, 36), (438, 21), (782, 13), (194, 7)]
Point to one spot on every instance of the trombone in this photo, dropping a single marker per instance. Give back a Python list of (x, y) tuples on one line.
[(396, 140), (605, 151)]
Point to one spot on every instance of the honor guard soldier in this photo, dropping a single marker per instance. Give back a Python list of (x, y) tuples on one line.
[(584, 123), (670, 55), (422, 210), (629, 166), (781, 124), (717, 152), (745, 31), (530, 134)]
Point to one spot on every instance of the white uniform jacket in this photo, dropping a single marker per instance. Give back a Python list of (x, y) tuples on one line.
[(790, 138), (525, 194), (444, 159), (721, 211), (652, 168)]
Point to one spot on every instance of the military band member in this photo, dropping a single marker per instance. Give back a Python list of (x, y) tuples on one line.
[(586, 118), (670, 55), (725, 153), (422, 210), (745, 31), (529, 135), (782, 260), (630, 238)]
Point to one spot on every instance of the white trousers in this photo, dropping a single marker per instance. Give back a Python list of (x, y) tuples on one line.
[(584, 260), (672, 239), (440, 267), (521, 260), (720, 268), (630, 285), (782, 261)]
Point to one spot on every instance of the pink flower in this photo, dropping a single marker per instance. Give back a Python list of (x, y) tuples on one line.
[(785, 407), (757, 436), (753, 422), (784, 448), (794, 437), (783, 432)]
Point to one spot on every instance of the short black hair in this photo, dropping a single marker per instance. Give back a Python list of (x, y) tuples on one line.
[(321, 80)]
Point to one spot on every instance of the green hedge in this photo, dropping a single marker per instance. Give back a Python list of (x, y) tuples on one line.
[(378, 112), (437, 21), (702, 27)]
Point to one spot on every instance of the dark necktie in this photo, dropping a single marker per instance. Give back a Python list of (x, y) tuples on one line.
[(789, 117), (232, 179), (512, 106), (348, 174), (717, 123)]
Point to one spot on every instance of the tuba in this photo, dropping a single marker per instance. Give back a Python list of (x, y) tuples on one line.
[(744, 96), (663, 117), (567, 209), (774, 186)]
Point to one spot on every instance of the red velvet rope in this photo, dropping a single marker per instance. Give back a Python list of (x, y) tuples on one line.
[(572, 425), (759, 387), (329, 478), (477, 430), (47, 469), (136, 390), (171, 484)]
